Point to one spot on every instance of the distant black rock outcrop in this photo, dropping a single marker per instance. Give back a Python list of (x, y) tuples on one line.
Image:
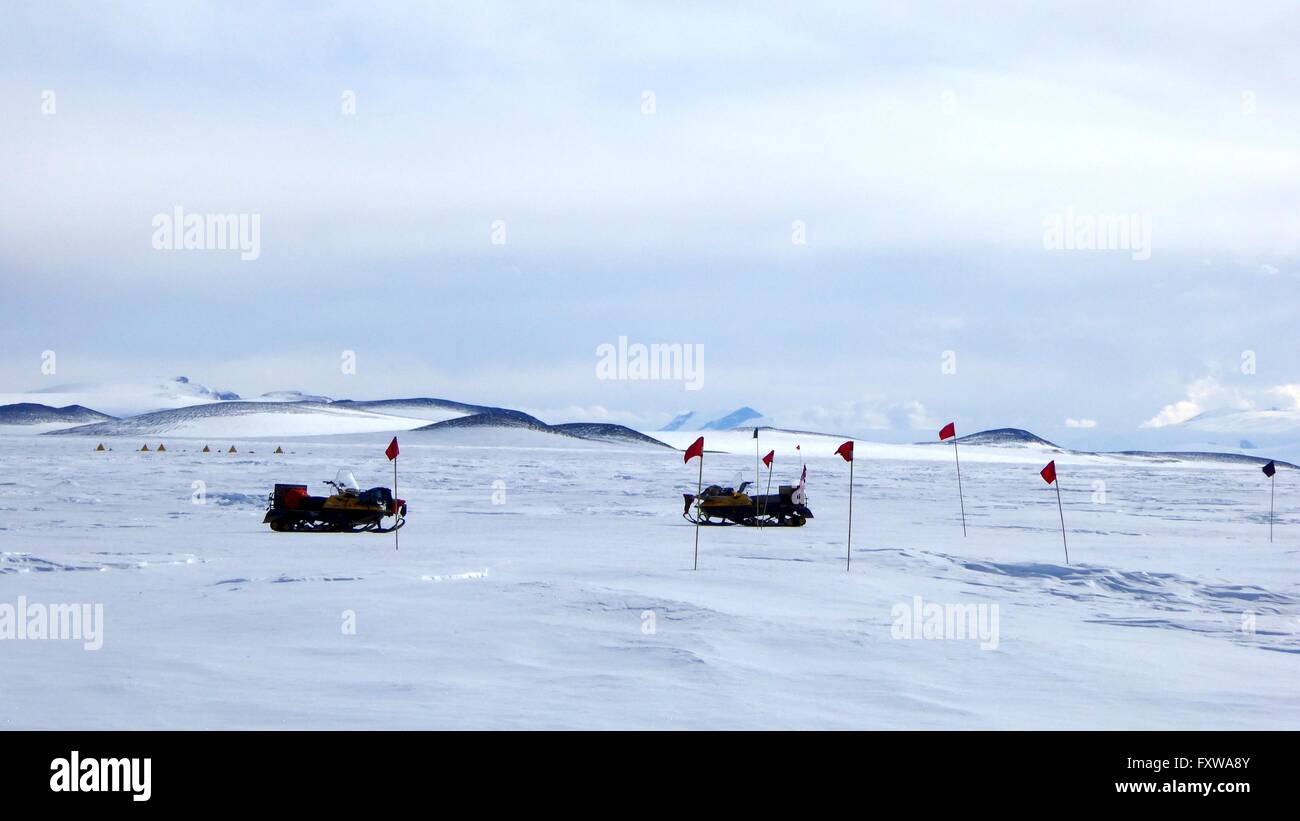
[(1005, 437), (606, 432)]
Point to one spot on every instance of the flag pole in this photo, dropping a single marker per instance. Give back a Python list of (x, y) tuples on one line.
[(769, 483), (699, 488), (1272, 484), (756, 474), (960, 497), (848, 550), (396, 538), (1061, 511)]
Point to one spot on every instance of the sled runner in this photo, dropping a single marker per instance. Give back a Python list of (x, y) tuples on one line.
[(732, 506), (348, 510)]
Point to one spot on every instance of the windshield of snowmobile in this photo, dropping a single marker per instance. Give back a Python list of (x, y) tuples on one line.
[(737, 481), (344, 480)]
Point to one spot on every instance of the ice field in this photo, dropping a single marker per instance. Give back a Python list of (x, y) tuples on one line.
[(548, 583)]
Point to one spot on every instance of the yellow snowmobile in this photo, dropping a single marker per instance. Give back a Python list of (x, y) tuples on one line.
[(719, 505), (348, 510)]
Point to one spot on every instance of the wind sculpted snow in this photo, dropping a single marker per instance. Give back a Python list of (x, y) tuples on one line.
[(548, 583)]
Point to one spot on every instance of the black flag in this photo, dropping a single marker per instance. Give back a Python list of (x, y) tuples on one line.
[(755, 433), (1270, 469)]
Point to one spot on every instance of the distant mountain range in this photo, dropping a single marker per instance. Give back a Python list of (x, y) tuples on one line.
[(124, 397), (32, 413), (285, 415), (740, 417), (591, 431), (1016, 437), (179, 407)]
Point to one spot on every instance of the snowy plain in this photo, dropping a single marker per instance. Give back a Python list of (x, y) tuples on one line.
[(547, 582)]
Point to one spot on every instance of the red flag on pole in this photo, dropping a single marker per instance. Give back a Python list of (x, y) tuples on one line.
[(391, 453), (696, 449), (846, 450), (767, 460), (1049, 476), (949, 431)]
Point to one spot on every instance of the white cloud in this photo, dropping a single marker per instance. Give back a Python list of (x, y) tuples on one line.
[(1081, 423), (1203, 395), (872, 414), (1291, 392)]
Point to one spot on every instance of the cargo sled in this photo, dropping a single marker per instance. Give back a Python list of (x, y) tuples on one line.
[(733, 506), (348, 509)]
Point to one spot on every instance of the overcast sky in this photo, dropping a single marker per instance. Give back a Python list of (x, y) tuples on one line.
[(653, 171)]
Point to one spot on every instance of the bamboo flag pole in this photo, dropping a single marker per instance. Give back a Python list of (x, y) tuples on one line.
[(1270, 470), (699, 488), (960, 497), (771, 463), (392, 452), (756, 474), (949, 431), (848, 550), (846, 450), (396, 537), (1049, 476), (1061, 511), (696, 449)]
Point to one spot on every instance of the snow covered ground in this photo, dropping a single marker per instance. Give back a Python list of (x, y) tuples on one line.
[(543, 582)]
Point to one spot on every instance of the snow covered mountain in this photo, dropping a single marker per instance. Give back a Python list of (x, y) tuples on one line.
[(1273, 433), (679, 421), (1007, 445), (735, 419), (125, 397), (293, 396), (1005, 437), (249, 420), (517, 420), (290, 417), (740, 417), (32, 413), (426, 408)]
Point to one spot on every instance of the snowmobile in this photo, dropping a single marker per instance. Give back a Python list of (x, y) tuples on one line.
[(347, 510), (719, 505)]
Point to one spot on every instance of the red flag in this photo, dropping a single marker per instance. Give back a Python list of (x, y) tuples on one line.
[(767, 460), (1049, 473), (846, 450), (949, 431), (392, 451), (694, 450)]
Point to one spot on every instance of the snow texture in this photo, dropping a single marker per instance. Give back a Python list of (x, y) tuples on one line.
[(547, 582)]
